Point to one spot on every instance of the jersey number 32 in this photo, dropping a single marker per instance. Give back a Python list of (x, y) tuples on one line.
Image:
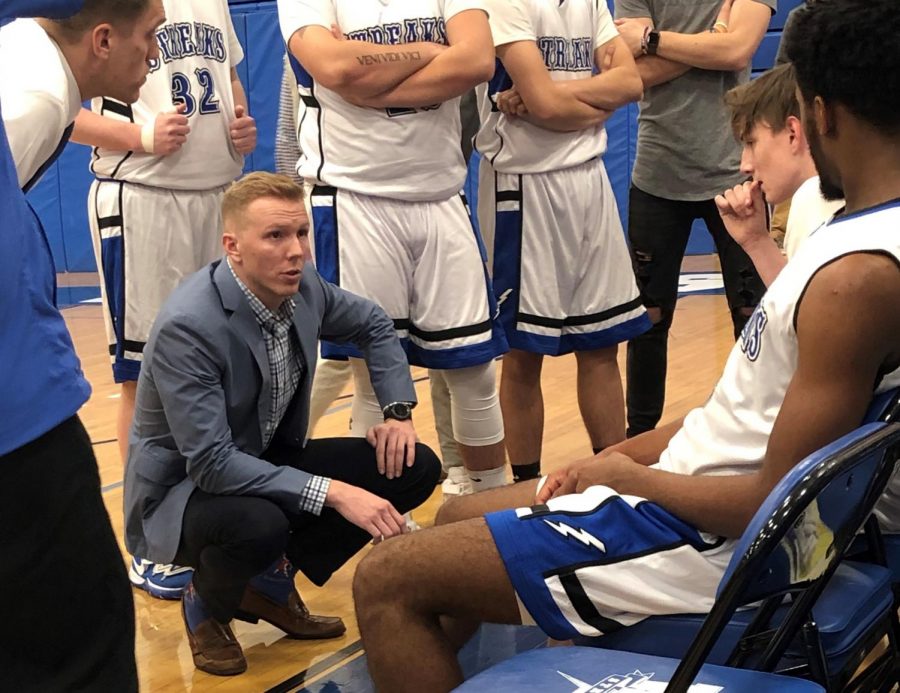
[(183, 92)]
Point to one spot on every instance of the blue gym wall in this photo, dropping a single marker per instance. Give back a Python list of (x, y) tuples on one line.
[(60, 198)]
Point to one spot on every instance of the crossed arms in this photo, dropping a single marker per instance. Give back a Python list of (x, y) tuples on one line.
[(567, 105), (745, 22), (410, 74)]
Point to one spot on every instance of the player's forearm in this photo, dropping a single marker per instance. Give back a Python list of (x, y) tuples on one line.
[(361, 69), (453, 73), (568, 118), (655, 70), (95, 130), (610, 90), (240, 96), (720, 505), (646, 448), (767, 258)]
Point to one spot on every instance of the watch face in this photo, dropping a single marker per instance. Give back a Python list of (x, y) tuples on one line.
[(398, 410)]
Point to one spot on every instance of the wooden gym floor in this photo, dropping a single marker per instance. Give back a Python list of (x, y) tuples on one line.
[(699, 344)]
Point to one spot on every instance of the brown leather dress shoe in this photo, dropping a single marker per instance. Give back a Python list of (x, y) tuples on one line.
[(214, 648), (293, 618)]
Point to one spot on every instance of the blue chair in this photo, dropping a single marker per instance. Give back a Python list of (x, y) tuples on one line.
[(792, 547), (850, 616)]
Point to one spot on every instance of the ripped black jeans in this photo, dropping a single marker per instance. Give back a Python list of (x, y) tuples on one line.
[(658, 231)]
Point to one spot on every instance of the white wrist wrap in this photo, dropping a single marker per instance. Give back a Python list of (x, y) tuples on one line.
[(148, 136)]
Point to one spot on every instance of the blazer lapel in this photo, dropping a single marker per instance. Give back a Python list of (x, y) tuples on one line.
[(245, 325)]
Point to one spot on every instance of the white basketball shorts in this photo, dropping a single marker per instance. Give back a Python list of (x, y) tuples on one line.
[(561, 270), (423, 262), (146, 240)]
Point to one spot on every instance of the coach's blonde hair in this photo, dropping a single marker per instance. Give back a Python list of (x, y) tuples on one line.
[(254, 186)]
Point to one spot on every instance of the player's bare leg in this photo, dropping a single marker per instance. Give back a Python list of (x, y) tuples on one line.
[(482, 458), (523, 406), (600, 397), (403, 587), (124, 416), (479, 504)]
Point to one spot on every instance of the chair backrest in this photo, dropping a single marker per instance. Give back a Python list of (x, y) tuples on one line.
[(797, 537), (884, 407)]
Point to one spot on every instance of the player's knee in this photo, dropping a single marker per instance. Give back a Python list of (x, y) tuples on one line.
[(522, 366), (453, 510), (605, 355), (376, 578), (477, 420)]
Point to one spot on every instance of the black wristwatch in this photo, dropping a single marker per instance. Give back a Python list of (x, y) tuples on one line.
[(652, 42), (399, 411)]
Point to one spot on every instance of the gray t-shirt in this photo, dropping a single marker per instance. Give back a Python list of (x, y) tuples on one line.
[(685, 147)]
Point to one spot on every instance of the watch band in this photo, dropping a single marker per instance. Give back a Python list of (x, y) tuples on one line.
[(652, 42), (400, 411)]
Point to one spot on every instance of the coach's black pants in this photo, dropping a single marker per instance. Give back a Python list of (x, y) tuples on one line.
[(658, 231), (66, 612), (229, 539)]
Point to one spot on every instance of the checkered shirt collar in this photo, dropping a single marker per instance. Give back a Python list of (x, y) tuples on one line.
[(278, 321)]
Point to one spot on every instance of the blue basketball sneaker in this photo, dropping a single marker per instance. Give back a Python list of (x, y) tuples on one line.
[(158, 580)]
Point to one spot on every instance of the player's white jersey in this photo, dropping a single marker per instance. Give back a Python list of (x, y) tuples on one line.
[(401, 153), (40, 98), (567, 34), (730, 433), (197, 49)]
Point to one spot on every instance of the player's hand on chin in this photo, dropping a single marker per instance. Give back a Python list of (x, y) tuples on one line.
[(394, 442), (243, 131), (606, 469)]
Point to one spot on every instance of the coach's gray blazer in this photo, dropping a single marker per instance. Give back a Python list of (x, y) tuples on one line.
[(204, 394)]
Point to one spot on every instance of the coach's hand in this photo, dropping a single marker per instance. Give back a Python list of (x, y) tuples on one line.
[(170, 131), (743, 212), (365, 510), (611, 469), (394, 441), (243, 131)]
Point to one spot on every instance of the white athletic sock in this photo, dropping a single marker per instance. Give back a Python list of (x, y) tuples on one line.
[(482, 480)]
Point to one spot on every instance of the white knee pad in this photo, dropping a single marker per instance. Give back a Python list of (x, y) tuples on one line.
[(365, 412), (477, 420)]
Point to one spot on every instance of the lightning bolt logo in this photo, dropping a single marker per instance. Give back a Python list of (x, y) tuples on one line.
[(581, 535), (505, 295), (635, 681)]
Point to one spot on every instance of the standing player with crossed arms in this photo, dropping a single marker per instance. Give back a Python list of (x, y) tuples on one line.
[(380, 138), (162, 165), (561, 268)]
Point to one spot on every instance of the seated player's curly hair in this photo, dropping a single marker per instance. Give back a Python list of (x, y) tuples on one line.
[(848, 52)]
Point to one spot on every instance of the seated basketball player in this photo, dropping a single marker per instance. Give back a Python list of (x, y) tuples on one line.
[(765, 117), (220, 475), (607, 541)]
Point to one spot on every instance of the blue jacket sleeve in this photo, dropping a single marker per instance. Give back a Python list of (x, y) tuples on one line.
[(351, 318)]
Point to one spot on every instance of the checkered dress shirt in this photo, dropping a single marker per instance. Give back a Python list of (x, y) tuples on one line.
[(285, 370)]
